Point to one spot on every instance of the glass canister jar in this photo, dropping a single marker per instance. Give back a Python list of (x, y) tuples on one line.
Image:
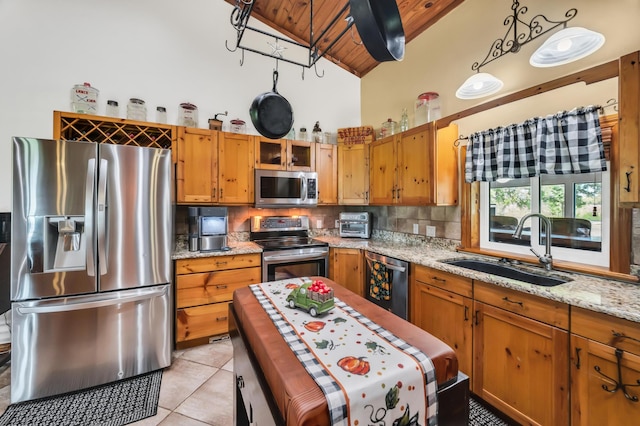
[(136, 110), (237, 126), (84, 99), (112, 109), (427, 108), (188, 115), (316, 134), (388, 128)]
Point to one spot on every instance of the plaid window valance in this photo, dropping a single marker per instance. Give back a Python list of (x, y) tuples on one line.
[(563, 143)]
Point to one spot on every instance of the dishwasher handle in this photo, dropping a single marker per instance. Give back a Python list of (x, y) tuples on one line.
[(388, 266)]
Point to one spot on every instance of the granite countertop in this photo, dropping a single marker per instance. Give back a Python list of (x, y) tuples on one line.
[(617, 298), (236, 247)]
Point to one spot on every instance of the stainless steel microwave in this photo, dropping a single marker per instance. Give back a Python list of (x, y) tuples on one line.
[(281, 188)]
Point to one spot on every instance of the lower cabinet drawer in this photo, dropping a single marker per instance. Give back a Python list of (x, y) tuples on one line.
[(213, 287), (603, 328), (547, 311), (202, 321), (444, 280)]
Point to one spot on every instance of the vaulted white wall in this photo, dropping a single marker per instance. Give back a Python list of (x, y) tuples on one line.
[(162, 51)]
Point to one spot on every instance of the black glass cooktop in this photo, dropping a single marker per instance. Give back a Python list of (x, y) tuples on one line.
[(289, 243)]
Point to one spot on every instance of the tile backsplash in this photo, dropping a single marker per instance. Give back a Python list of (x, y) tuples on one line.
[(446, 220)]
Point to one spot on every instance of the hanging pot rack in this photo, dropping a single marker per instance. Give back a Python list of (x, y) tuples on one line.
[(239, 20), (378, 22)]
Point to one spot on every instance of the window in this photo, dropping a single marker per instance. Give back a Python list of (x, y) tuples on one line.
[(577, 206)]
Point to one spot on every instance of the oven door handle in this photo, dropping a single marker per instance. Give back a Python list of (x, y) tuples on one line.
[(392, 267), (294, 256)]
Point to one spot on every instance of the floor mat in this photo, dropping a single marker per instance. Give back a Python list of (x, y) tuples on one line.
[(113, 404), (479, 415)]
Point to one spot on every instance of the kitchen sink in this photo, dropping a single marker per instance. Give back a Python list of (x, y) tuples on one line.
[(504, 271)]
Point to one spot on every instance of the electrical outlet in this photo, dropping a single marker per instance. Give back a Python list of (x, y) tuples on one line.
[(319, 223), (431, 231), (337, 224), (416, 228)]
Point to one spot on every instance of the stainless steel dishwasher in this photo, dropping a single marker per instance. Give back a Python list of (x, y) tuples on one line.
[(396, 272)]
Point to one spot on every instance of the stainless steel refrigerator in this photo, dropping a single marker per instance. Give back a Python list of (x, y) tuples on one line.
[(92, 232)]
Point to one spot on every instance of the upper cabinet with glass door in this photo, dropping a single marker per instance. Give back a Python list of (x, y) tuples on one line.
[(284, 154)]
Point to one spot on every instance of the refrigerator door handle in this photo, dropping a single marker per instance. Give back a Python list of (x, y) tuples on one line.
[(93, 304), (102, 216), (89, 215)]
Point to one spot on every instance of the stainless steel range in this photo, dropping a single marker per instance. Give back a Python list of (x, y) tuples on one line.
[(288, 251)]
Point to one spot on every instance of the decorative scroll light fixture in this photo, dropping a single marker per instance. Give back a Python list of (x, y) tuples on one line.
[(567, 45)]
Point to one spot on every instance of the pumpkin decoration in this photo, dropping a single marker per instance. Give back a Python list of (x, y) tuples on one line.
[(314, 326), (354, 365)]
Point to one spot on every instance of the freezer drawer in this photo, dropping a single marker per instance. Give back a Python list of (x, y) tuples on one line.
[(67, 344)]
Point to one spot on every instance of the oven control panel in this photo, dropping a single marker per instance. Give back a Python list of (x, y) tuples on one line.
[(279, 223)]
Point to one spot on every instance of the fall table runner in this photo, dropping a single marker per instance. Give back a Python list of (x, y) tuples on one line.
[(368, 375)]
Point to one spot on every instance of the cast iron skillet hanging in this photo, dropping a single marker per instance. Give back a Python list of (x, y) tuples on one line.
[(380, 28), (271, 113)]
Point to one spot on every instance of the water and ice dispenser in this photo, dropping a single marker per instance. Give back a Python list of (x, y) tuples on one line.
[(65, 243)]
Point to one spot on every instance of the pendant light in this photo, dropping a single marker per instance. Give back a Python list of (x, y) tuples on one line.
[(566, 46), (478, 86), (517, 35)]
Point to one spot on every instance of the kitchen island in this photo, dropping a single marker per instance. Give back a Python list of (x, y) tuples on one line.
[(272, 384)]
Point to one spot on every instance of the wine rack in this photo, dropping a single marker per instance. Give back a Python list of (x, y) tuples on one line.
[(95, 128)]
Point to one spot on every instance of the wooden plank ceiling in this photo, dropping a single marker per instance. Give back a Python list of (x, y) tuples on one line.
[(292, 18)]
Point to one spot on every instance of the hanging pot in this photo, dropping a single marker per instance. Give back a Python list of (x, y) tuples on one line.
[(271, 113), (380, 28)]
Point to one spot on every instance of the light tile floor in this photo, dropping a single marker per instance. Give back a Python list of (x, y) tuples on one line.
[(196, 390)]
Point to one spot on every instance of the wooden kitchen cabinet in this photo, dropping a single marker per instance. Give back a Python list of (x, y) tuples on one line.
[(347, 268), (214, 167), (204, 289), (415, 167), (197, 166), (442, 304), (629, 130), (327, 169), (382, 171), (284, 154), (520, 345), (605, 352), (353, 174), (236, 168)]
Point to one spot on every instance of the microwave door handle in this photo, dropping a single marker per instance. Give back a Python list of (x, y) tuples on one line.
[(89, 215), (304, 188), (102, 216), (392, 267)]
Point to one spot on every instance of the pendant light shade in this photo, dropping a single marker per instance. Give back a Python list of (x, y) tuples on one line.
[(479, 85), (566, 46)]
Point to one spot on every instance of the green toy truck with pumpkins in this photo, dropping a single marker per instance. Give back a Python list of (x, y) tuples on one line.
[(314, 297)]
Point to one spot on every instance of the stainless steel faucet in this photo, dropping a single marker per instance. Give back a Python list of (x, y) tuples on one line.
[(546, 260)]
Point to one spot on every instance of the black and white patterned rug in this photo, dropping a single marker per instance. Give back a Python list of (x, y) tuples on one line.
[(113, 404), (479, 415)]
